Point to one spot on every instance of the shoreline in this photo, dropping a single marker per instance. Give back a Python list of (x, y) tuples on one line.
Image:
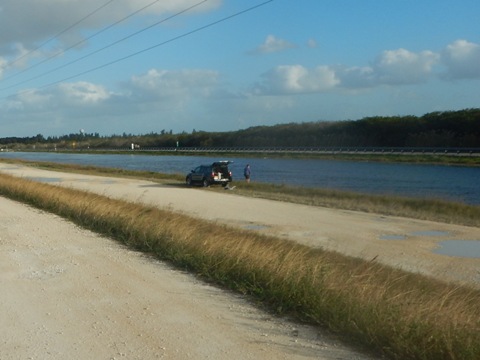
[(454, 159)]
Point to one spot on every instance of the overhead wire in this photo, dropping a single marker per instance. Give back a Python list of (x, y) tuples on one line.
[(60, 33), (107, 46), (62, 52), (196, 30)]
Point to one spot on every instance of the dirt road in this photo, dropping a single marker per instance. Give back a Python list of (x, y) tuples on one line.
[(70, 294)]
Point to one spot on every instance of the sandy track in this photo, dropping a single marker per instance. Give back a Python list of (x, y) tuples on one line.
[(69, 294)]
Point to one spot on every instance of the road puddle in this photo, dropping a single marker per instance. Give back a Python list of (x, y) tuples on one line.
[(45, 179), (255, 227), (430, 233), (460, 248), (393, 237)]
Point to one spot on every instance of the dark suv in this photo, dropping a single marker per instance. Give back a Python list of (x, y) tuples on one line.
[(207, 175)]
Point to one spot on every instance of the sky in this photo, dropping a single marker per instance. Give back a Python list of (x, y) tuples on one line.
[(113, 67)]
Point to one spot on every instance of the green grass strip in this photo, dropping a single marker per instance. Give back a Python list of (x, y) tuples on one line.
[(392, 312)]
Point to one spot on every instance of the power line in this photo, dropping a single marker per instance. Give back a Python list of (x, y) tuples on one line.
[(81, 41), (158, 45), (60, 33), (106, 47)]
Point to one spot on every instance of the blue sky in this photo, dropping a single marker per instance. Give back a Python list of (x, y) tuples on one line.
[(104, 66)]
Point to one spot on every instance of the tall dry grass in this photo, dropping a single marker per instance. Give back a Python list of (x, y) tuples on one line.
[(417, 208), (395, 313)]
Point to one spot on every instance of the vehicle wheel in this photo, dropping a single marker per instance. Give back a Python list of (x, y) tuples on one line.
[(188, 180), (205, 183)]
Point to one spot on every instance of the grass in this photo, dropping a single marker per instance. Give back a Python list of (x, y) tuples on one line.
[(379, 308), (418, 208)]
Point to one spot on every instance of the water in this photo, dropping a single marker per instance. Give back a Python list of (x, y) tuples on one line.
[(460, 248), (426, 233), (393, 237), (430, 181)]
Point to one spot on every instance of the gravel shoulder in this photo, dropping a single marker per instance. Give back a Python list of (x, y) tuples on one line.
[(68, 293)]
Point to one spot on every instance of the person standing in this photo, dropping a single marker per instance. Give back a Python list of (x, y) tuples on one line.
[(247, 173)]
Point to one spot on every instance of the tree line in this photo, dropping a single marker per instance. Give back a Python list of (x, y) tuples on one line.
[(460, 129)]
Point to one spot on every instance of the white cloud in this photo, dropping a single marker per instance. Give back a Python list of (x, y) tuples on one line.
[(393, 67), (272, 44), (157, 87), (27, 101), (356, 77), (82, 93), (404, 67), (33, 99), (400, 67), (296, 79), (32, 22), (462, 59), (65, 97), (158, 84)]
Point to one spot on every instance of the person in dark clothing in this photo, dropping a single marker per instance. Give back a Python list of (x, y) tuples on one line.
[(247, 173)]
